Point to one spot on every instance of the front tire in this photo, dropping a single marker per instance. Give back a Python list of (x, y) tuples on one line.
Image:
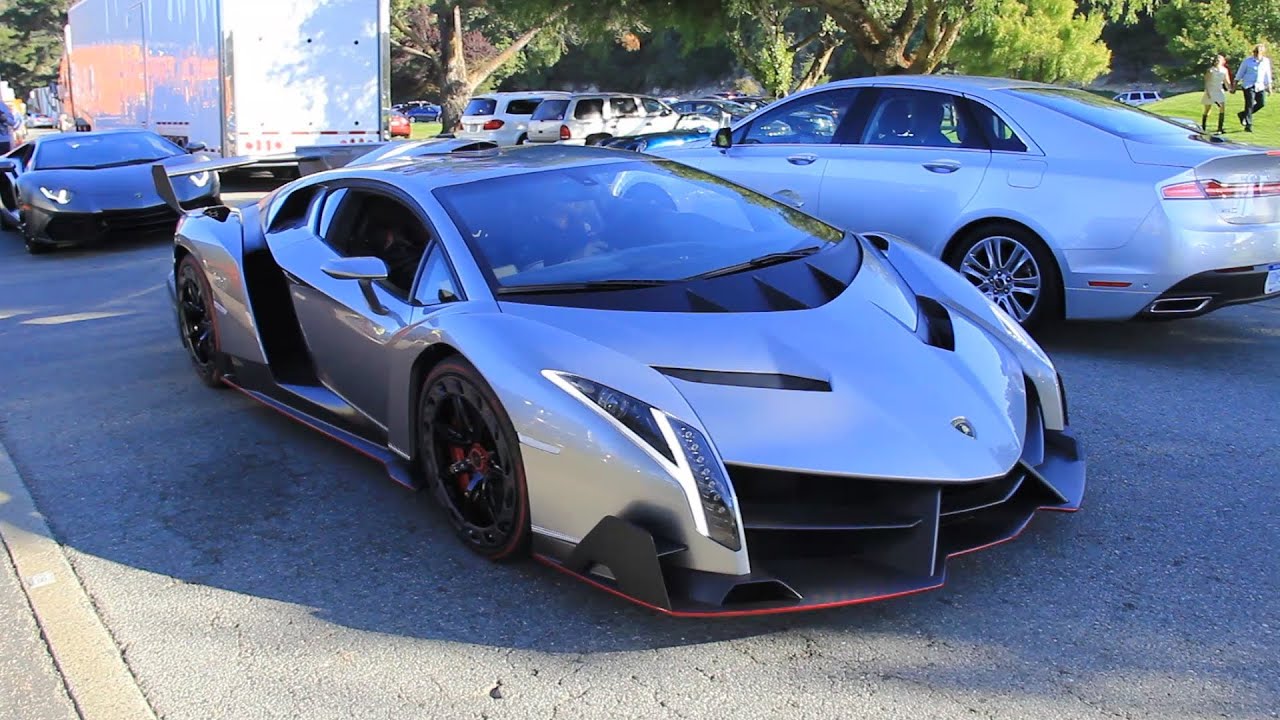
[(196, 321), (522, 139), (1014, 268), (470, 456)]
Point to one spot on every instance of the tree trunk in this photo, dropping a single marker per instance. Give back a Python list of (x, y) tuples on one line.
[(817, 65), (455, 88)]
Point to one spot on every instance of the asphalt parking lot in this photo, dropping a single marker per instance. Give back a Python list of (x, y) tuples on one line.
[(247, 567)]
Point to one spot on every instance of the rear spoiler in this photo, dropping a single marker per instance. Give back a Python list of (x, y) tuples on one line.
[(162, 175)]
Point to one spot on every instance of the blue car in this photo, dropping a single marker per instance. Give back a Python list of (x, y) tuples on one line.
[(422, 113), (654, 141)]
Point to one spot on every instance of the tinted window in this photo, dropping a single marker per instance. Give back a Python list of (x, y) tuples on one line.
[(1148, 96), (480, 106), (998, 134), (524, 106), (810, 120), (96, 151), (592, 109), (339, 242), (626, 107), (292, 212), (1115, 118), (550, 110), (437, 283), (579, 224), (361, 224), (651, 106), (919, 118)]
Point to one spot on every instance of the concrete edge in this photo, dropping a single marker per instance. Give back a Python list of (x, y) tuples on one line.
[(92, 668)]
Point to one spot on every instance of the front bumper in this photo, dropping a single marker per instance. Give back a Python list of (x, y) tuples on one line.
[(68, 229), (818, 542)]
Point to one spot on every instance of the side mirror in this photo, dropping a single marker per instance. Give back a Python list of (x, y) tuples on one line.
[(724, 138), (362, 269), (196, 147), (8, 165)]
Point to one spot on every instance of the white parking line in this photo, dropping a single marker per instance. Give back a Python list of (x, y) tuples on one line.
[(72, 318), (95, 674)]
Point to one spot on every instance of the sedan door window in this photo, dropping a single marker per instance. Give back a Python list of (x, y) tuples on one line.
[(921, 118), (810, 120)]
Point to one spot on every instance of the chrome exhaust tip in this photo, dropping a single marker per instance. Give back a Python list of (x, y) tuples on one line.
[(1179, 306)]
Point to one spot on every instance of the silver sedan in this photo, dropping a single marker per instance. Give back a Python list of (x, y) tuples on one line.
[(1054, 202)]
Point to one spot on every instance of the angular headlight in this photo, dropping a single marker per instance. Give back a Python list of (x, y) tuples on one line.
[(200, 179), (681, 449), (60, 196)]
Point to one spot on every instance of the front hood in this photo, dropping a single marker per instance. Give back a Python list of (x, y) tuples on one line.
[(1183, 153), (114, 188), (891, 402)]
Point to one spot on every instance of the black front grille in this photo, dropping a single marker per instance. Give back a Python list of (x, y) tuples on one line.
[(139, 222)]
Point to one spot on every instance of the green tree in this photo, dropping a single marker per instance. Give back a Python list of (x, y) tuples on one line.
[(31, 42), (1041, 40), (784, 48), (1196, 31)]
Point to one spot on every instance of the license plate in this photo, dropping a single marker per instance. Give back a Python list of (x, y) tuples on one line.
[(473, 128), (1273, 280)]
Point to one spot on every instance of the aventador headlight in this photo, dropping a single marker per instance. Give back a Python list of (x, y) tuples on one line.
[(60, 196), (681, 449)]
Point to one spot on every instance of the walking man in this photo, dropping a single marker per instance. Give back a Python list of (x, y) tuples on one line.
[(8, 129), (1254, 77)]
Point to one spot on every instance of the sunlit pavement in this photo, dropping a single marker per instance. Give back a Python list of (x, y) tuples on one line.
[(249, 568)]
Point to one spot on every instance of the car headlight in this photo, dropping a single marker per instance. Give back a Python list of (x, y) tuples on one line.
[(680, 448), (61, 196), (200, 179)]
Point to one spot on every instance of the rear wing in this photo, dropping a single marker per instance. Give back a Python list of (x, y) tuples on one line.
[(162, 175)]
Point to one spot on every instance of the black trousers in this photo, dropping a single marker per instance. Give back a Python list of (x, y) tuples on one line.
[(1254, 100)]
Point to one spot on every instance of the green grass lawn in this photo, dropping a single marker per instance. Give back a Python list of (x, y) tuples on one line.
[(422, 130), (1266, 124)]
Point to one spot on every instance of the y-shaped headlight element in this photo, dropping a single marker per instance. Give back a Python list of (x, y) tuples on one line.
[(680, 448)]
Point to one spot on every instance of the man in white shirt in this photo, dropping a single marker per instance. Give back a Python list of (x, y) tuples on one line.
[(1254, 77)]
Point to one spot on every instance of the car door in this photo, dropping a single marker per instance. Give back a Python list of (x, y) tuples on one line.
[(348, 337), (783, 152), (909, 167), (625, 117)]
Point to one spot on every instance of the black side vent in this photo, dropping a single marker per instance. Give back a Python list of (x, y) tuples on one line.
[(747, 379), (778, 300), (830, 284), (878, 242), (934, 324), (698, 303)]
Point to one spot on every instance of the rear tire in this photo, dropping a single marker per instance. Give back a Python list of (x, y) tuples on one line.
[(1014, 268), (469, 453), (197, 321), (522, 139)]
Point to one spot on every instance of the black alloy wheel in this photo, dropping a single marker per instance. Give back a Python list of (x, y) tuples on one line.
[(469, 452), (196, 323)]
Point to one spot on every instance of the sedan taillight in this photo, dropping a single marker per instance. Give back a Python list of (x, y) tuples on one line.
[(1214, 190), (564, 133), (493, 125)]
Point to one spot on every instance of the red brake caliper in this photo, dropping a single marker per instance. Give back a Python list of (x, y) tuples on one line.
[(478, 458)]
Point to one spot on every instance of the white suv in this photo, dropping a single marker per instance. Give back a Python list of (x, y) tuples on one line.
[(591, 118), (1137, 97), (501, 117)]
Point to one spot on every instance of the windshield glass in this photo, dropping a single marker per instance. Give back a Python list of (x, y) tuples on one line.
[(633, 220), (96, 151), (1105, 114), (480, 106)]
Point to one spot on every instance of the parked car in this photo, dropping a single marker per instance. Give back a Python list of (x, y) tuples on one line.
[(592, 118), (1052, 201), (400, 125), (70, 189), (1138, 97), (563, 357), (421, 111), (723, 111), (41, 121), (655, 141), (502, 117)]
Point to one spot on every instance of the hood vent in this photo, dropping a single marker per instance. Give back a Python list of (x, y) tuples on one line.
[(769, 381), (934, 324)]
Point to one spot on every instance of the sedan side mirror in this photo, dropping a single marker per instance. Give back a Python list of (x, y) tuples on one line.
[(196, 147), (363, 270), (724, 138)]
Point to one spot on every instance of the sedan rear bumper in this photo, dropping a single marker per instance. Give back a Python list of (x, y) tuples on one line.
[(1208, 291)]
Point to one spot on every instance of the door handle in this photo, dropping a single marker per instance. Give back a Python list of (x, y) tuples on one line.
[(802, 159), (942, 166)]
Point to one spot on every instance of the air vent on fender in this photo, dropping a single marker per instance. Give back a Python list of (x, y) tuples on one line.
[(934, 324), (772, 381)]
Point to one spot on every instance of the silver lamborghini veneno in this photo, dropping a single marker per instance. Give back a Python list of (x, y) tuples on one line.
[(648, 377)]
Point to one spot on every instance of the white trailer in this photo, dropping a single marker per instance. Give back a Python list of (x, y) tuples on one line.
[(240, 77)]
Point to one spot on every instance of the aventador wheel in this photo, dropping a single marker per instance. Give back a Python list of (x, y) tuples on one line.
[(196, 323), (471, 457)]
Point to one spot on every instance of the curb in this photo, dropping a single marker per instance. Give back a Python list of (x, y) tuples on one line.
[(95, 674)]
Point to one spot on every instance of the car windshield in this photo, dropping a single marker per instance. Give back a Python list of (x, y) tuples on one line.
[(550, 110), (1107, 115), (646, 220), (98, 151), (481, 106)]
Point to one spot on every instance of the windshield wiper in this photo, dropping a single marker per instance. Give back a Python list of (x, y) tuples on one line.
[(584, 286), (758, 262)]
